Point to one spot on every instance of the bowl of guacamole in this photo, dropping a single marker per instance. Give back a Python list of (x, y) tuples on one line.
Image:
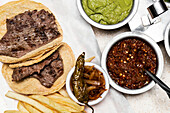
[(107, 14)]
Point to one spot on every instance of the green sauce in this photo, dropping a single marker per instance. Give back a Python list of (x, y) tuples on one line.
[(107, 12)]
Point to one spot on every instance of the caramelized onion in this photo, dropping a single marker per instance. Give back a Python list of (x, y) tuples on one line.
[(91, 88), (95, 82), (86, 75), (92, 82)]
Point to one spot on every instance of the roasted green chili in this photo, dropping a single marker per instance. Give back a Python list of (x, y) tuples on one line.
[(79, 86)]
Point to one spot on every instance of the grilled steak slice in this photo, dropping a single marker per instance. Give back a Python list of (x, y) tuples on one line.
[(28, 31), (46, 71), (23, 72), (50, 73)]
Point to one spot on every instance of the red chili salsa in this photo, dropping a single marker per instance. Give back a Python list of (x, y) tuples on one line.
[(127, 60)]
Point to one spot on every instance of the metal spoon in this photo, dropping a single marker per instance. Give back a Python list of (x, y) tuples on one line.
[(159, 82)]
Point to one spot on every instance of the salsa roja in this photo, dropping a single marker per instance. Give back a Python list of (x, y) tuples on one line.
[(127, 60)]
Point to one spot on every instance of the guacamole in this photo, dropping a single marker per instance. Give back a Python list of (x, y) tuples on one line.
[(107, 12)]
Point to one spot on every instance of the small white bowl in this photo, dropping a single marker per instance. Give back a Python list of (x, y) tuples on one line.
[(136, 35), (91, 102), (167, 39), (108, 27)]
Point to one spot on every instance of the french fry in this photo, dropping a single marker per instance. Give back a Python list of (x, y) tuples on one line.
[(66, 101), (81, 112), (13, 111), (52, 104), (31, 109), (63, 92), (90, 59), (28, 100), (21, 107)]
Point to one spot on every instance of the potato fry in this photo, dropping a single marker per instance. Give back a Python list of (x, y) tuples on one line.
[(31, 109), (52, 104), (13, 111), (21, 107), (63, 92), (90, 59), (66, 101), (28, 100), (81, 112)]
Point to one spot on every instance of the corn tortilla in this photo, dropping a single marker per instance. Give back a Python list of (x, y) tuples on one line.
[(36, 59)]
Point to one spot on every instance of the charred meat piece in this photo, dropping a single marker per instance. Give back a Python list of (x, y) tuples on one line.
[(28, 31), (50, 73), (46, 71)]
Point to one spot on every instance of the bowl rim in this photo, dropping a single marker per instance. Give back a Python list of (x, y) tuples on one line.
[(154, 46), (92, 102), (166, 39), (108, 27)]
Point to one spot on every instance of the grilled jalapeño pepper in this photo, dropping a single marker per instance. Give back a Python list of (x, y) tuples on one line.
[(79, 86)]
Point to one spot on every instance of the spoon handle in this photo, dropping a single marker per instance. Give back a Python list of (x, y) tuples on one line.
[(160, 83)]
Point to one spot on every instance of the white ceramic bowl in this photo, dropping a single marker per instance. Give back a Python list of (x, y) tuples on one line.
[(91, 102), (136, 36), (167, 39), (108, 27)]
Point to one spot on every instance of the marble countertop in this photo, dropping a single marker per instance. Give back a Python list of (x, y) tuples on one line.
[(152, 101)]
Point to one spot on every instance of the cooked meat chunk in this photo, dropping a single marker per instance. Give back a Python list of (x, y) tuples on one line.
[(46, 71), (50, 73)]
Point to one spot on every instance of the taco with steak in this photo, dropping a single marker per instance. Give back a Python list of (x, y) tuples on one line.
[(44, 75), (27, 29)]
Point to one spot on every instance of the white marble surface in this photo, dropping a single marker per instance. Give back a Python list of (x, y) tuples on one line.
[(152, 101)]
